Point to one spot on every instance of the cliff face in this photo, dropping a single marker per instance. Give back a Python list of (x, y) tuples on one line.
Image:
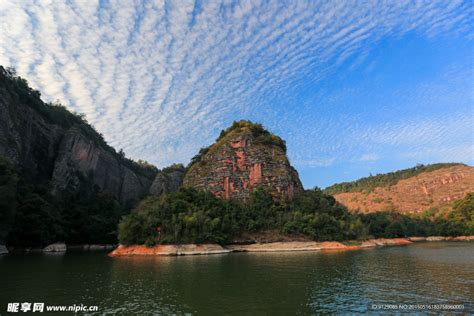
[(167, 180), (416, 194), (241, 160), (61, 156), (79, 157), (27, 138)]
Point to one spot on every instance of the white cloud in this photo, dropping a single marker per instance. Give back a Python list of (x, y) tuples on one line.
[(159, 79)]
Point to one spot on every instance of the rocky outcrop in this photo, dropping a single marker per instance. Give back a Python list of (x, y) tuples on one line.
[(98, 247), (56, 247), (27, 138), (167, 180), (93, 247), (243, 158), (79, 157), (3, 250), (169, 250), (427, 190)]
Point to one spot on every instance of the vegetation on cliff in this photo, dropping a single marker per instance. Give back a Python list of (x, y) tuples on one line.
[(257, 130), (261, 135), (384, 180), (244, 156)]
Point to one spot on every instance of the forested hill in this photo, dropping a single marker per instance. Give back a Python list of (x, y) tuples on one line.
[(384, 179), (59, 179)]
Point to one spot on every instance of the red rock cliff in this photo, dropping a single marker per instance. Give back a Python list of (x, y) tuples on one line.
[(243, 158)]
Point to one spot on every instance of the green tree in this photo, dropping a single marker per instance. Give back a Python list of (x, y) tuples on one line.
[(8, 194)]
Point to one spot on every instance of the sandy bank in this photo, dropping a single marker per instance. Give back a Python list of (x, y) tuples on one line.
[(206, 249)]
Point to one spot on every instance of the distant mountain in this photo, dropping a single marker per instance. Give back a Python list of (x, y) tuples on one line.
[(244, 157), (411, 190)]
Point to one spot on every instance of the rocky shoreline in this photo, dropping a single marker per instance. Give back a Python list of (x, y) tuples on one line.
[(169, 250), (58, 247), (206, 249)]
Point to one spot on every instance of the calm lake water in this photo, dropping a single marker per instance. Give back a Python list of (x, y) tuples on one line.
[(245, 283)]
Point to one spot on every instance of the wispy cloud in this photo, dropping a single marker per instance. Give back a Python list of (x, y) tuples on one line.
[(430, 122), (321, 162), (159, 79), (369, 157)]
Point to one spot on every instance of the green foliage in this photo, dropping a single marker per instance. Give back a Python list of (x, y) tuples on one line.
[(239, 125), (184, 216), (383, 180), (37, 222), (8, 202), (90, 217), (455, 222), (319, 216), (173, 167), (261, 135), (462, 216), (191, 216), (258, 131), (30, 216), (195, 216), (198, 157)]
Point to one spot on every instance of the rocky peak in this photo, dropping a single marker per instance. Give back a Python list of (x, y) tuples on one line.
[(245, 156)]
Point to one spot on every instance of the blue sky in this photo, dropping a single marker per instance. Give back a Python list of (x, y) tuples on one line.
[(354, 87)]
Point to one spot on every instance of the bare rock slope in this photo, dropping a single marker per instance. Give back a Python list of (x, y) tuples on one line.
[(416, 194), (244, 157)]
